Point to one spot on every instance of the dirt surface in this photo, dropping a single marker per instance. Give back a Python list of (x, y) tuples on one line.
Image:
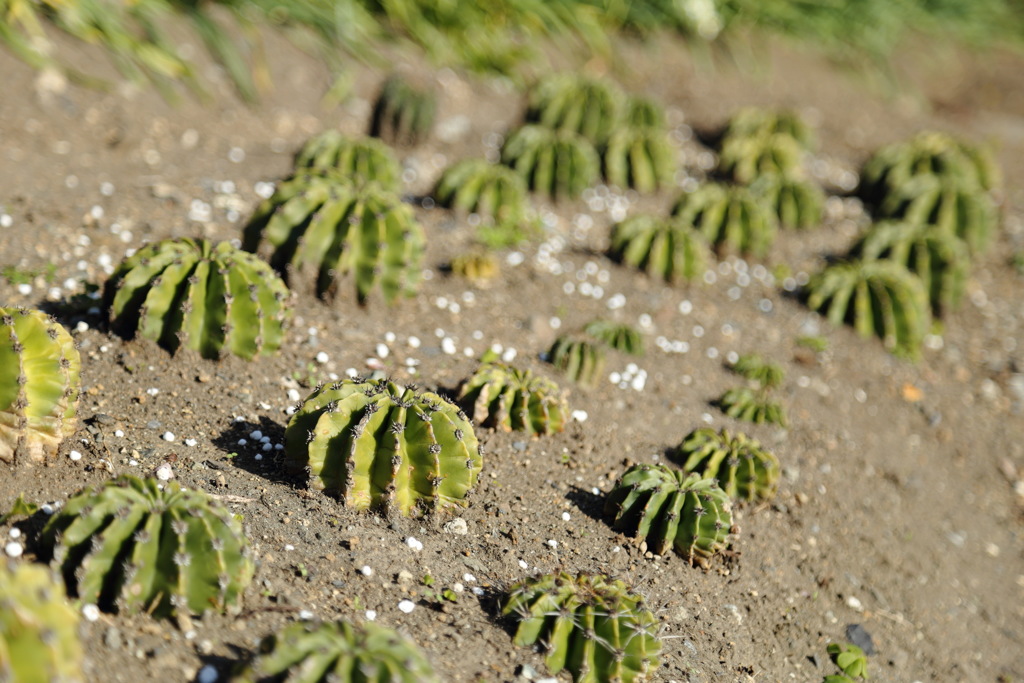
[(897, 510)]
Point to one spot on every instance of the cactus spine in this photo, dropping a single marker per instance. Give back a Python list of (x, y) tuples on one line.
[(738, 463), (366, 160), (510, 398), (660, 247)]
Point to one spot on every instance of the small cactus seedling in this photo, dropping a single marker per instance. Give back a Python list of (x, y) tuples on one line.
[(851, 659), (477, 266), (135, 545), (729, 217), (672, 509), (741, 466), (366, 160), (38, 628), (555, 163), (580, 359), (589, 107), (664, 248), (755, 367), (403, 113), (940, 259), (308, 652), (619, 336), (639, 158), (759, 142), (642, 112), (509, 398), (594, 626), (876, 297), (796, 203), (39, 385), (492, 191), (319, 222), (744, 403), (376, 444)]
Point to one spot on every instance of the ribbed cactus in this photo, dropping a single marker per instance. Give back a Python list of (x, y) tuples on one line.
[(555, 163), (661, 247), (580, 359), (876, 297), (307, 652), (672, 509), (596, 627), (38, 628), (729, 217), (492, 191), (364, 160), (509, 398), (740, 465), (639, 158), (39, 385), (619, 336), (214, 299), (404, 113), (757, 406), (763, 141), (477, 266), (140, 545), (376, 444), (754, 367), (320, 225), (797, 203), (751, 121), (642, 112), (576, 104)]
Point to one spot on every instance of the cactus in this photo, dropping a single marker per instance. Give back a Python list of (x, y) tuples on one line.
[(211, 299), (580, 359), (851, 659), (492, 191), (38, 628), (661, 247), (729, 217), (738, 463), (321, 223), (594, 626), (754, 367), (752, 121), (365, 160), (797, 203), (644, 113), (509, 398), (477, 266), (639, 158), (672, 509), (308, 652), (403, 113), (556, 163), (619, 336), (876, 297), (939, 258), (763, 141), (376, 444), (591, 108), (744, 403), (39, 385), (135, 545)]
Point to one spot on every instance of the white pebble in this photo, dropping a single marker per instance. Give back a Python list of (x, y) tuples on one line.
[(168, 436), (322, 357), (152, 391), (579, 415), (14, 549), (414, 544), (75, 455), (191, 443), (553, 543), (293, 395), (256, 434), (371, 614), (164, 472), (267, 447), (854, 603), (208, 674), (118, 433), (366, 570), (305, 615), (242, 442), (406, 606), (566, 516), (15, 532), (523, 564), (509, 355), (382, 350), (448, 346), (468, 578), (90, 611), (257, 457), (24, 289), (414, 342)]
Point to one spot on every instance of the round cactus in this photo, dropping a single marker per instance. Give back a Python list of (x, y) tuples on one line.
[(744, 403), (639, 158), (796, 203), (661, 247), (308, 652), (729, 217), (403, 114), (39, 385), (876, 297), (619, 336), (738, 463), (365, 160), (580, 359), (140, 545), (376, 444), (596, 627), (572, 103), (754, 121), (756, 368), (672, 509), (318, 222), (556, 163), (478, 266), (490, 190), (642, 112), (509, 398), (760, 141), (211, 299), (38, 628)]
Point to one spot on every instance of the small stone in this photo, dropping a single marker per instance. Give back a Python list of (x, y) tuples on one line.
[(90, 611), (859, 636), (322, 357), (75, 455), (406, 606), (579, 415), (164, 472), (366, 570), (371, 614), (854, 604), (208, 674), (168, 436), (457, 526), (413, 543), (14, 549), (566, 516), (553, 543)]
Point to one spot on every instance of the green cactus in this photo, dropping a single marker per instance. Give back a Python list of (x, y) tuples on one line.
[(764, 141), (376, 444), (307, 652), (556, 163), (509, 398), (876, 297), (39, 385), (140, 545), (403, 114), (477, 266), (754, 367), (642, 112), (850, 658), (596, 627), (38, 628), (672, 509), (744, 403), (592, 108), (619, 336), (365, 160), (664, 248), (580, 359), (495, 192), (318, 222), (797, 203), (729, 217), (940, 259), (639, 158), (191, 293), (741, 466)]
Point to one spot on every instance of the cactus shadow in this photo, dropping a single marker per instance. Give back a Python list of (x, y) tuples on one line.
[(250, 456), (587, 502)]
